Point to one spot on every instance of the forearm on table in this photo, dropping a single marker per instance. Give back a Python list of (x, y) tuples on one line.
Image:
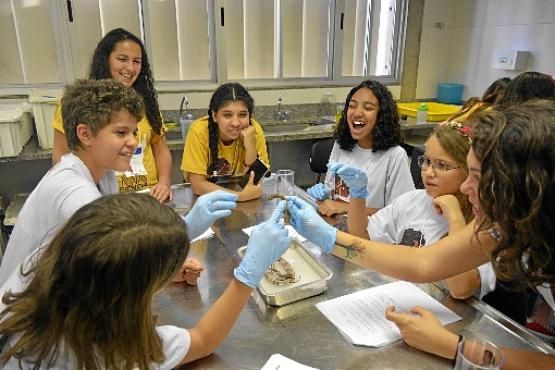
[(357, 220), (201, 185), (517, 359), (217, 322), (445, 258)]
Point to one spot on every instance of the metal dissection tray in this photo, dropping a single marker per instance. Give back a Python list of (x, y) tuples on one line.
[(313, 277)]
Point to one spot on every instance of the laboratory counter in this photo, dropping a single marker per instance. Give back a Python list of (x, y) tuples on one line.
[(298, 330)]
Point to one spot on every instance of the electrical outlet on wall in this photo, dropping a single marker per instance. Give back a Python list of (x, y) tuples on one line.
[(513, 60)]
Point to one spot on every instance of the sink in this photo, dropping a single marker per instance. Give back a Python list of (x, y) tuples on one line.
[(284, 127)]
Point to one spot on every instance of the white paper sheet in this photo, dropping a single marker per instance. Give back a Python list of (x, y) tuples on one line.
[(280, 362), (290, 229), (360, 316)]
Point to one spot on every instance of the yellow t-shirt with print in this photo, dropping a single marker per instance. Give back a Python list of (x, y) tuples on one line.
[(146, 137), (196, 154)]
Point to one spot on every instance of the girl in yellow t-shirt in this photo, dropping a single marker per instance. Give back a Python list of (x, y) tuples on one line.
[(120, 55), (224, 143)]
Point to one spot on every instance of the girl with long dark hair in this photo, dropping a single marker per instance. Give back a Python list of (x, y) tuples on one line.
[(120, 55)]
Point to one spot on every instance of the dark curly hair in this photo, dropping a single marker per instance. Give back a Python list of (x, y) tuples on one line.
[(387, 131), (526, 86), (516, 189), (224, 94), (100, 69)]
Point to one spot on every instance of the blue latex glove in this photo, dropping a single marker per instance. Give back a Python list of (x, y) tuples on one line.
[(268, 241), (319, 191), (309, 224), (207, 209), (356, 179)]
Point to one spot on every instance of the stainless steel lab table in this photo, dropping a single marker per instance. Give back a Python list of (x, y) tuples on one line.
[(299, 331)]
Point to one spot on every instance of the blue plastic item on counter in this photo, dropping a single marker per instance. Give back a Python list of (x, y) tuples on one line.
[(449, 93)]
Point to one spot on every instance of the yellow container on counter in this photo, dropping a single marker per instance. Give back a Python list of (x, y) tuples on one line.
[(436, 111)]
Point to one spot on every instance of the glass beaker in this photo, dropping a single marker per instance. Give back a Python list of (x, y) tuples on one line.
[(475, 355)]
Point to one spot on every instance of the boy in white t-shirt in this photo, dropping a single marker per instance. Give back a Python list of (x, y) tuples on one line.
[(100, 121)]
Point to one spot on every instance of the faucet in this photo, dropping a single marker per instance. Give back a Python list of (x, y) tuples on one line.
[(281, 114)]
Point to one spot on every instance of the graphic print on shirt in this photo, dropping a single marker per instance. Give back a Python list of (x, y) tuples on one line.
[(223, 167), (136, 178), (413, 238), (341, 190)]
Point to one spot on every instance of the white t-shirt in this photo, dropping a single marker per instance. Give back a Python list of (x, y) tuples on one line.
[(62, 191), (388, 173), (175, 341), (412, 220)]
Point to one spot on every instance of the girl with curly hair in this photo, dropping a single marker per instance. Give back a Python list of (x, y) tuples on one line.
[(120, 55), (510, 186), (367, 136), (225, 143)]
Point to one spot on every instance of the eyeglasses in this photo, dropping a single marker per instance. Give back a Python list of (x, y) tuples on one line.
[(437, 165)]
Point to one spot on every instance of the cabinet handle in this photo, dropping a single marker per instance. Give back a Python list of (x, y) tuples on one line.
[(69, 10), (222, 16)]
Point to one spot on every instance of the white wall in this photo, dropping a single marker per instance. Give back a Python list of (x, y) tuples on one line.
[(462, 51)]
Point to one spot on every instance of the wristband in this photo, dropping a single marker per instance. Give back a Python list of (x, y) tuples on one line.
[(457, 350)]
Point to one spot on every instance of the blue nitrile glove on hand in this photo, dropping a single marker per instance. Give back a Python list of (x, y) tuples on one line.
[(319, 191), (356, 179), (268, 241), (309, 224), (207, 209)]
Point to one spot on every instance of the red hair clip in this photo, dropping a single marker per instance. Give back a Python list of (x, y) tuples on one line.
[(466, 131)]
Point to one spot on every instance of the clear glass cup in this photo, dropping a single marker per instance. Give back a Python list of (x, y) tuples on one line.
[(285, 182), (475, 355)]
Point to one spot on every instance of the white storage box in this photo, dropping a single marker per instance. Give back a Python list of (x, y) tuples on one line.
[(16, 128), (44, 104)]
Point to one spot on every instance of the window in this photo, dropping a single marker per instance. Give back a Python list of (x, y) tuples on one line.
[(210, 41)]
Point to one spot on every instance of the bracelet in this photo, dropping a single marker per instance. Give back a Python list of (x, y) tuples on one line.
[(457, 350)]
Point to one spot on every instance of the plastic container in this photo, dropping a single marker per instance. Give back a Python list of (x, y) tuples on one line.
[(449, 93), (437, 112), (422, 114), (44, 105), (16, 128)]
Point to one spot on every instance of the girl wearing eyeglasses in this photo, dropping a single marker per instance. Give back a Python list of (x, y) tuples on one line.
[(421, 217)]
